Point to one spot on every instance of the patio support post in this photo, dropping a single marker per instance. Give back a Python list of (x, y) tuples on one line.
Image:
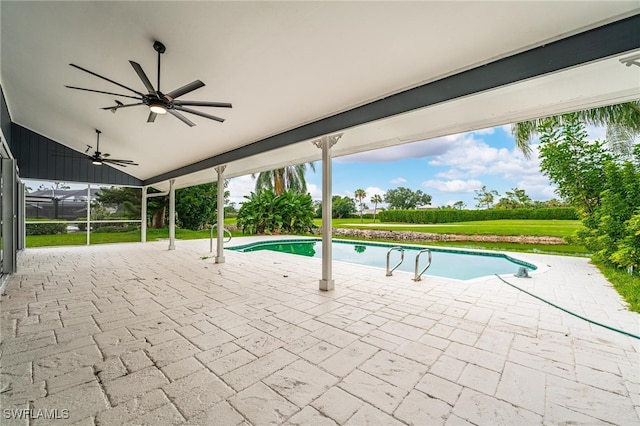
[(88, 214), (220, 241), (143, 214), (325, 143), (172, 215)]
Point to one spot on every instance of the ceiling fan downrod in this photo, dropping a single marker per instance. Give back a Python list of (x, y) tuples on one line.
[(160, 48)]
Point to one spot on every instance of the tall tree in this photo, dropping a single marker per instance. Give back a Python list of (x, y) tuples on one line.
[(359, 195), (574, 164), (375, 199), (131, 197), (615, 117), (342, 206), (403, 198), (197, 205), (290, 178), (605, 189), (127, 201), (485, 197), (459, 205), (516, 198)]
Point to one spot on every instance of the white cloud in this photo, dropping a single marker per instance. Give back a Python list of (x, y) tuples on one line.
[(239, 187), (538, 187), (506, 128), (455, 185), (398, 180), (472, 158), (420, 149), (315, 191), (374, 190), (487, 131)]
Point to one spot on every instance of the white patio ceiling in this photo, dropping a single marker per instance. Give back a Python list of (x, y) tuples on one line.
[(284, 65)]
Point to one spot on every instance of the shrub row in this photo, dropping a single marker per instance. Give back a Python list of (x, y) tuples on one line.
[(105, 228), (451, 215), (45, 228)]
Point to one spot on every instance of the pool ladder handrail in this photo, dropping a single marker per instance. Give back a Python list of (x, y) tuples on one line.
[(418, 276), (224, 230), (390, 272)]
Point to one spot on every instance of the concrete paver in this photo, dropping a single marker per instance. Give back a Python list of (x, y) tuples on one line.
[(135, 333)]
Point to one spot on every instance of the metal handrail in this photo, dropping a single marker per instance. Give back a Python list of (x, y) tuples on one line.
[(225, 230), (390, 272), (418, 276)]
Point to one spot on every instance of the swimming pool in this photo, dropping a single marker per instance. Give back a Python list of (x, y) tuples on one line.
[(448, 263)]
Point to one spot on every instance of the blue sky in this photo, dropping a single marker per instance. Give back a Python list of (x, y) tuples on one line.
[(448, 168)]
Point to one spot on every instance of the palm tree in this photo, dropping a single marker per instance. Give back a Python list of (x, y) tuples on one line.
[(359, 195), (284, 179), (616, 117), (375, 200)]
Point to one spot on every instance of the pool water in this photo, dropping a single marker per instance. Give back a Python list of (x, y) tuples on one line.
[(457, 264)]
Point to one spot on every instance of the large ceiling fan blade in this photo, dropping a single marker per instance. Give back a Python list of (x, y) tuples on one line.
[(201, 114), (100, 91), (203, 104), (145, 80), (107, 79), (152, 117), (121, 106), (181, 117), (122, 163), (185, 89), (111, 162)]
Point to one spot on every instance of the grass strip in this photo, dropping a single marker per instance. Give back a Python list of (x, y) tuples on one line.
[(547, 228), (627, 285)]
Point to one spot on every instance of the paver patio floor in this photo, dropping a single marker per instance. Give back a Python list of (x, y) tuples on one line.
[(137, 334)]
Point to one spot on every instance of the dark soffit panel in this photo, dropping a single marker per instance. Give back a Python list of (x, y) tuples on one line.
[(598, 43), (5, 118), (42, 158)]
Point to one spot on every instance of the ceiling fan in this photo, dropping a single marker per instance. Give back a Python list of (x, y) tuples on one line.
[(98, 158), (157, 101)]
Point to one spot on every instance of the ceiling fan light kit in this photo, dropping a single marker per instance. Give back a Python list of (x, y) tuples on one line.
[(157, 108), (157, 101)]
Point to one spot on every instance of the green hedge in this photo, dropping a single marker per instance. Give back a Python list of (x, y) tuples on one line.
[(98, 227), (45, 228), (106, 228), (451, 215)]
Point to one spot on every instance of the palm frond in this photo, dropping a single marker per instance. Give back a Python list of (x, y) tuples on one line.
[(626, 115)]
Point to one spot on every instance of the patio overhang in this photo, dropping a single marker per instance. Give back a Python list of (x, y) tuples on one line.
[(382, 74)]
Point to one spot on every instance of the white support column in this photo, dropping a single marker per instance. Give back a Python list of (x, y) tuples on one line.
[(143, 214), (172, 215), (88, 214), (325, 143), (220, 241)]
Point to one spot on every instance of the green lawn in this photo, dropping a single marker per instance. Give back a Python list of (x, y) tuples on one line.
[(557, 228), (114, 237), (627, 285), (550, 228)]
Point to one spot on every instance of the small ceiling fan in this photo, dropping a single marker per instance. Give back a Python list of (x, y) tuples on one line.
[(157, 101), (98, 158)]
